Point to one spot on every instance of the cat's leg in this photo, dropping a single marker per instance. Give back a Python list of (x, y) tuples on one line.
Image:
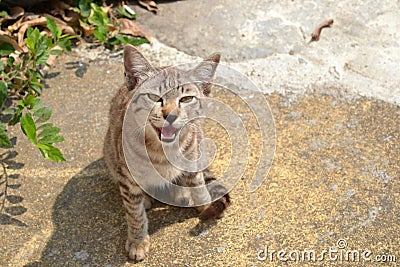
[(183, 197), (200, 196), (138, 242), (148, 201), (219, 196), (180, 195)]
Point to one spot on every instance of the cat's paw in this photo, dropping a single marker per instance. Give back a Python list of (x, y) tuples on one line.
[(139, 251), (215, 210)]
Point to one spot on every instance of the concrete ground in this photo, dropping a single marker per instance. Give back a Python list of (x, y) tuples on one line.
[(334, 185)]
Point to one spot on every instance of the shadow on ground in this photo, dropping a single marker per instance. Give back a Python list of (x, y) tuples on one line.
[(11, 205), (89, 222)]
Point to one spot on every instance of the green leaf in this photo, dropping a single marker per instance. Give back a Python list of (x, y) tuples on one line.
[(28, 127), (4, 140), (47, 130), (16, 118), (6, 49), (43, 57), (32, 39), (99, 17), (65, 44), (8, 111), (36, 86), (55, 52), (131, 40), (123, 13), (42, 114), (37, 105), (38, 75), (49, 42), (10, 62), (113, 41), (17, 114), (49, 134), (84, 8), (100, 32), (44, 127), (52, 26), (37, 43), (3, 91), (30, 101), (50, 152), (29, 31), (3, 13), (67, 36), (50, 139)]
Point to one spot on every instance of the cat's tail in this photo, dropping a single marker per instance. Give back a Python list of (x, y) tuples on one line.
[(219, 196)]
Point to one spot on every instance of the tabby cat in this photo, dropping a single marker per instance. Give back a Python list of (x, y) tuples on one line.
[(157, 109)]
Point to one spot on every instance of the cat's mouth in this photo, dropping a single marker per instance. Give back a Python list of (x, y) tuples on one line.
[(167, 134)]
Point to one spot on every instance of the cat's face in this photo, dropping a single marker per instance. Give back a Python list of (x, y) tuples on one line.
[(173, 109), (171, 97)]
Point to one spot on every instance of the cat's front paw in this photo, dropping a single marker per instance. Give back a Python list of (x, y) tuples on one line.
[(138, 251), (215, 210)]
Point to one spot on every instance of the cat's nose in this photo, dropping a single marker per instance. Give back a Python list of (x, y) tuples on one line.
[(170, 118)]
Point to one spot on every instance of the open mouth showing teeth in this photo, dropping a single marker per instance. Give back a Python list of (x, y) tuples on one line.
[(167, 134)]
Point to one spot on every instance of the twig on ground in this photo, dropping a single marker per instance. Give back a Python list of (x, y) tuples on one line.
[(317, 31)]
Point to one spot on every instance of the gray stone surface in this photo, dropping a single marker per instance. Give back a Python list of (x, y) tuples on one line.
[(270, 41), (336, 171)]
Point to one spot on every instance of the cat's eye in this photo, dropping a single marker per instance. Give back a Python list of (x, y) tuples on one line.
[(186, 99), (154, 97)]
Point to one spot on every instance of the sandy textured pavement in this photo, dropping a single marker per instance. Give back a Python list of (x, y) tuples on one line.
[(331, 197)]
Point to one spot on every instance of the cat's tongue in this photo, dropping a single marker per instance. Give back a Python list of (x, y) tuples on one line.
[(168, 133)]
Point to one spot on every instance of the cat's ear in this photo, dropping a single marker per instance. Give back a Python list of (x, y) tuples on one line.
[(136, 67), (204, 72)]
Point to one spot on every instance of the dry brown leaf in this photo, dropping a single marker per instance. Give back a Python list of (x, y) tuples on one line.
[(50, 61), (14, 27), (71, 16), (87, 29), (149, 5), (111, 27), (30, 17), (4, 38), (64, 10), (58, 7), (131, 28), (63, 26), (16, 12), (17, 57), (25, 25), (107, 9), (41, 21)]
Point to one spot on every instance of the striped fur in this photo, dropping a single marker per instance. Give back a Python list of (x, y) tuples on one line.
[(176, 111)]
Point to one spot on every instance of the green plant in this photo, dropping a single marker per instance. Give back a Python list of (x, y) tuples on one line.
[(106, 30), (21, 86), (124, 13)]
